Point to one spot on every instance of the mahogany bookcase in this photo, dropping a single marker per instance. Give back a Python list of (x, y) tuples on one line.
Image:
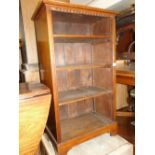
[(76, 51)]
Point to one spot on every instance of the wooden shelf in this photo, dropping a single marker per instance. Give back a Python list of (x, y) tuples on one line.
[(84, 125), (125, 77), (123, 112), (80, 94), (86, 66), (78, 37)]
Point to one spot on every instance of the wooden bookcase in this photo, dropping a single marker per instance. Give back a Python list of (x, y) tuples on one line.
[(76, 50)]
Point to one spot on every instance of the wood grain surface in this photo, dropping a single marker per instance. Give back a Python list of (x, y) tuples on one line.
[(33, 114)]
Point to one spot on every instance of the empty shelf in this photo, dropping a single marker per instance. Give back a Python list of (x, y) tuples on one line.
[(80, 94), (86, 66), (125, 112), (81, 126), (78, 37)]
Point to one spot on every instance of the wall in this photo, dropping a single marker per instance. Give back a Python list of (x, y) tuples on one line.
[(29, 70), (27, 9), (121, 96)]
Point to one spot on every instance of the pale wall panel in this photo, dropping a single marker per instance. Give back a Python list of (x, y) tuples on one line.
[(27, 9), (121, 96)]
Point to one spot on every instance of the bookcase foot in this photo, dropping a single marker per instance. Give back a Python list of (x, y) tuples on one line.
[(63, 152), (113, 132)]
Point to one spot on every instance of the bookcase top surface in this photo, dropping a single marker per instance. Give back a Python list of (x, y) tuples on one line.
[(72, 8)]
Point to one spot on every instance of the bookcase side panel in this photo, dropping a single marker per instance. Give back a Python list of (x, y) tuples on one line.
[(114, 63), (46, 64)]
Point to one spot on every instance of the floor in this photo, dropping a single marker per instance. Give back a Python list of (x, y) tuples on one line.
[(126, 130), (103, 145)]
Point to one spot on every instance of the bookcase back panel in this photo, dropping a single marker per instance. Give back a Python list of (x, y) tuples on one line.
[(101, 53), (76, 109), (71, 28), (83, 53), (102, 77), (74, 79), (75, 18), (103, 26), (72, 53), (70, 23), (103, 105)]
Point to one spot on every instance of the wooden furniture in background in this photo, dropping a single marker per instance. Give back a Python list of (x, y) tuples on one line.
[(125, 24), (76, 46), (34, 104), (126, 52), (125, 35), (125, 76), (126, 129)]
